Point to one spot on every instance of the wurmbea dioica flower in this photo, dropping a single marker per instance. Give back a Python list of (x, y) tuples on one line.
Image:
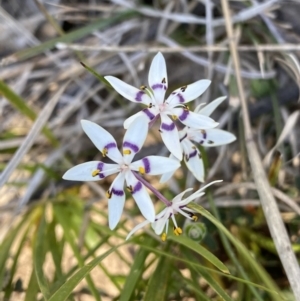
[(178, 205), (175, 105), (98, 170), (208, 138)]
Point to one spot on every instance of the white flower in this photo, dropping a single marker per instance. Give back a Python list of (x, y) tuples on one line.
[(175, 105), (97, 170), (208, 138), (178, 205)]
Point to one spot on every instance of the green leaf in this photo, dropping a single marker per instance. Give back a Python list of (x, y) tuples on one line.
[(96, 74), (68, 286), (21, 105), (135, 273), (72, 36), (32, 289), (39, 254), (265, 277), (158, 283), (185, 241)]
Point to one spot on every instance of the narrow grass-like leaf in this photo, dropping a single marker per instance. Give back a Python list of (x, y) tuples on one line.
[(21, 105), (135, 273), (96, 74), (67, 226), (39, 253), (158, 283), (215, 285), (33, 288), (241, 249), (72, 36), (187, 242), (66, 289)]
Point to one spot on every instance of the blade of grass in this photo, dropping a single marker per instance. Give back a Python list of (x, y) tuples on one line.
[(135, 273), (68, 286), (240, 247), (187, 242), (72, 36), (24, 109), (269, 205), (30, 138)]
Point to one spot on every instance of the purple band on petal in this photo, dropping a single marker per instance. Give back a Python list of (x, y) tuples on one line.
[(168, 127), (180, 97), (110, 145), (149, 114), (184, 115), (159, 86), (132, 146), (137, 187), (117, 192), (201, 142), (193, 154), (204, 135), (139, 96), (146, 163), (100, 166)]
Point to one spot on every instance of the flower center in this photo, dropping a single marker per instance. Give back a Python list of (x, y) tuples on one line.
[(124, 167)]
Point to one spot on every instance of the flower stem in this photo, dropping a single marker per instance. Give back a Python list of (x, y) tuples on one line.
[(155, 191)]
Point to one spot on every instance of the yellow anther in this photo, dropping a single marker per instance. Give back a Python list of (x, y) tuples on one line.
[(126, 152), (174, 117), (104, 152), (194, 218), (186, 108), (95, 172), (142, 170), (143, 87), (177, 231), (164, 236), (150, 106), (108, 194)]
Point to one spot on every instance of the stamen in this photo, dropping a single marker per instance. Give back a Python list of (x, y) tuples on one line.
[(174, 117), (193, 216), (104, 152), (150, 105), (186, 107), (126, 152), (108, 194), (183, 88), (177, 231), (164, 236), (129, 188), (95, 172), (143, 87), (163, 80), (142, 170), (210, 142)]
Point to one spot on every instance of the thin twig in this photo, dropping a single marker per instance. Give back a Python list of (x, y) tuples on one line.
[(269, 205)]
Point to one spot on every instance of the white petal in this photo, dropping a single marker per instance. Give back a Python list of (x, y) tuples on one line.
[(212, 137), (168, 175), (156, 165), (194, 161), (170, 136), (102, 139), (208, 109), (188, 93), (158, 80), (179, 197), (131, 93), (134, 138), (116, 201), (84, 171), (136, 228), (194, 120), (150, 113), (141, 196), (159, 224)]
